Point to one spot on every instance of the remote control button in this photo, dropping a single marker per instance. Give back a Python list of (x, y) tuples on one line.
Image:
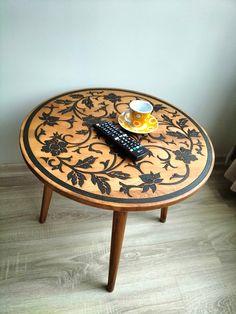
[(129, 145)]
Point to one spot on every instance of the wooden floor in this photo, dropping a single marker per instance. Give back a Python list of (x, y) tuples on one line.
[(187, 265)]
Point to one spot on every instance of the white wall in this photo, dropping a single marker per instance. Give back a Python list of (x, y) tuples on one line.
[(180, 50)]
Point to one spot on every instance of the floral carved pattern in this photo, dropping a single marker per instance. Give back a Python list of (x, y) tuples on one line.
[(69, 148)]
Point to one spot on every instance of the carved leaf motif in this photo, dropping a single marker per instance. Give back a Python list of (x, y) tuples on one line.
[(182, 123), (193, 133), (150, 154), (76, 177), (55, 166), (161, 138), (151, 178), (91, 149), (85, 163), (167, 164), (76, 96), (63, 101), (112, 115), (48, 119), (87, 102), (156, 108), (151, 187), (112, 97), (45, 159), (81, 178), (119, 174), (68, 109), (167, 119), (124, 188), (185, 155), (102, 184), (72, 176), (42, 132), (83, 132), (199, 151), (176, 134), (185, 143), (145, 188), (146, 178), (105, 163), (102, 107), (176, 175), (58, 167), (71, 121)]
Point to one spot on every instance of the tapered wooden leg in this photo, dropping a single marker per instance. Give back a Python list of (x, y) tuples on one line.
[(118, 229), (47, 195), (164, 211)]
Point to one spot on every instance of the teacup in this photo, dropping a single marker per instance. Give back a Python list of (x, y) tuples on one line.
[(138, 113)]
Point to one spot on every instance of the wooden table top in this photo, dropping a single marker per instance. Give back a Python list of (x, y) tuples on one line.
[(61, 147)]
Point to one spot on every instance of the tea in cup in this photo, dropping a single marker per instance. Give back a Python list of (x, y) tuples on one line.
[(139, 113)]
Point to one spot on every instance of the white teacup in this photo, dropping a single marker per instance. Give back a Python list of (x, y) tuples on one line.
[(138, 113)]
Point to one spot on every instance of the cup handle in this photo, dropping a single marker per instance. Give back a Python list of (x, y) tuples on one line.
[(127, 116)]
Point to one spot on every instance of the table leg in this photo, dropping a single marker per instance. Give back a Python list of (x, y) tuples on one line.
[(47, 194), (164, 211), (118, 229)]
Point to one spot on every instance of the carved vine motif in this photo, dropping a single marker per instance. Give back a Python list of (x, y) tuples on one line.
[(77, 151)]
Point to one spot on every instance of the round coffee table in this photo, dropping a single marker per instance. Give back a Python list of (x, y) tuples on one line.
[(62, 149)]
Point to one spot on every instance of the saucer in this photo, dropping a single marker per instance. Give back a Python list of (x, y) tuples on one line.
[(146, 128)]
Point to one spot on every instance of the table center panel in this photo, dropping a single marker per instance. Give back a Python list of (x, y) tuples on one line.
[(61, 143)]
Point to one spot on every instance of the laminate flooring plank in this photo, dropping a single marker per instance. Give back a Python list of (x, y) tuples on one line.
[(208, 291), (186, 265)]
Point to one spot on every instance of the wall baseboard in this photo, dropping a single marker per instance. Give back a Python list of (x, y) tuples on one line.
[(15, 169)]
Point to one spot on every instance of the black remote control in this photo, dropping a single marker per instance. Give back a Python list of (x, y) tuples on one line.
[(127, 145)]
